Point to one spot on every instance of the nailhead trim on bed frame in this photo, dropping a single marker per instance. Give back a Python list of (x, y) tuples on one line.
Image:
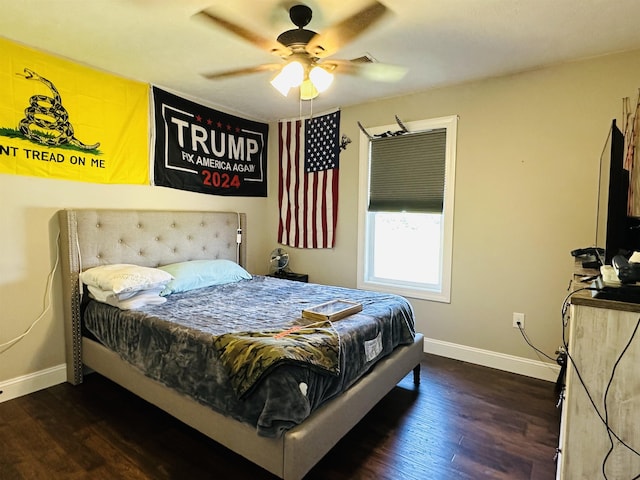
[(148, 238)]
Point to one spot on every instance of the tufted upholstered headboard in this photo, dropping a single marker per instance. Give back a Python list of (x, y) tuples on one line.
[(149, 238)]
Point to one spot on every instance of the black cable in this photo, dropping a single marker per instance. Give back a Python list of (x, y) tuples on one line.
[(595, 408), (606, 393), (526, 339), (610, 431), (565, 306)]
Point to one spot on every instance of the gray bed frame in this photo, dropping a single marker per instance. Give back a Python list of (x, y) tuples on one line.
[(152, 238)]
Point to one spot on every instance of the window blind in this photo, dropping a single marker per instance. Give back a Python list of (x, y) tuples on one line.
[(407, 172)]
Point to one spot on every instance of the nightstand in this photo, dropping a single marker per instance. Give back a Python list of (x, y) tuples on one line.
[(298, 277)]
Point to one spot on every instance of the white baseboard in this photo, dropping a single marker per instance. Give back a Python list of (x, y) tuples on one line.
[(26, 384), (509, 363), (49, 377)]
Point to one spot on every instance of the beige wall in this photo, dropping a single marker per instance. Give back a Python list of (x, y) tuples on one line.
[(528, 152), (528, 155)]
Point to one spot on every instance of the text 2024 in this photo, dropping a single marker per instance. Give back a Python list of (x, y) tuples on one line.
[(220, 180)]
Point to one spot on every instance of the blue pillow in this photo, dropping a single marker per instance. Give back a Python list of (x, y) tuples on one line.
[(202, 273)]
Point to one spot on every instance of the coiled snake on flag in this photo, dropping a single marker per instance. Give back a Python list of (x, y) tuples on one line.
[(42, 108)]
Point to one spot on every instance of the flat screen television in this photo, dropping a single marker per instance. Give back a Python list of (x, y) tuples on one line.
[(621, 231)]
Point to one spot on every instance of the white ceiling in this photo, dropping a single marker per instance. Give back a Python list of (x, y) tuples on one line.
[(441, 42)]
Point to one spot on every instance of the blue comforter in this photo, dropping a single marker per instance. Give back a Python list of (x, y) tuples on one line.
[(174, 343)]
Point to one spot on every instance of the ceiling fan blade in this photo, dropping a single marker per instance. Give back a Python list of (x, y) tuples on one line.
[(379, 72), (272, 67), (332, 39), (271, 46)]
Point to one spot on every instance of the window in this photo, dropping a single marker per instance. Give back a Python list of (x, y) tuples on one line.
[(406, 209)]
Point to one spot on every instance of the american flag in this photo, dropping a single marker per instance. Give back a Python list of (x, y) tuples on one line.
[(308, 183)]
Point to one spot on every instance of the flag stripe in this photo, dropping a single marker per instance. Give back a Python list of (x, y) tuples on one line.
[(280, 182), (308, 201)]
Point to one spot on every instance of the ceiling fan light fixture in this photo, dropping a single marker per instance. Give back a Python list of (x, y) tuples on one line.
[(320, 78), (303, 50), (307, 90), (281, 84), (291, 75)]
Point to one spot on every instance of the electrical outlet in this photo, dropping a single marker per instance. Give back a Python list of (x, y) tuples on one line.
[(518, 318)]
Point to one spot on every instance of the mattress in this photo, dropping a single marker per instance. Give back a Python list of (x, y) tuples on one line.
[(183, 343)]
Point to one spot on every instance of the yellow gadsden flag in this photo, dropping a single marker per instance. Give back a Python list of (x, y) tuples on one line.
[(62, 120)]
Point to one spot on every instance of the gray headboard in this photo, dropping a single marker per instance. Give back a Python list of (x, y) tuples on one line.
[(148, 238)]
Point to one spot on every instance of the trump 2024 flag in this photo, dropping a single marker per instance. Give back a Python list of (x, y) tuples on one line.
[(308, 183)]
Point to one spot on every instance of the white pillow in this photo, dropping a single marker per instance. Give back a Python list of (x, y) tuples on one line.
[(128, 301), (107, 296), (139, 301), (123, 277)]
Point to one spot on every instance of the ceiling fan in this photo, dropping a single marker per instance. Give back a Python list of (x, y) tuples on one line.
[(305, 53)]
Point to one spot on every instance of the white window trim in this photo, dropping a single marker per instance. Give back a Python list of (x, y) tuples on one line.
[(451, 123)]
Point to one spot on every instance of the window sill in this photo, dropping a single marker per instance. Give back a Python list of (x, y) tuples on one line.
[(421, 294)]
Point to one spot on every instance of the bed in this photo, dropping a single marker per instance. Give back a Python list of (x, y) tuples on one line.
[(152, 238)]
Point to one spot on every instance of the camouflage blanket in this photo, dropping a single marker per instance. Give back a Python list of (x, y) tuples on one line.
[(248, 356)]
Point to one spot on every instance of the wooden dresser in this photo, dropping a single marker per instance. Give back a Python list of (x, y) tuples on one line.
[(598, 332)]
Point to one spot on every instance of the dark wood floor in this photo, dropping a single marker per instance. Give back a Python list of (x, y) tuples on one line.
[(462, 422)]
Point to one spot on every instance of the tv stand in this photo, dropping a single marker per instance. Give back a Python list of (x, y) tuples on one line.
[(599, 331)]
